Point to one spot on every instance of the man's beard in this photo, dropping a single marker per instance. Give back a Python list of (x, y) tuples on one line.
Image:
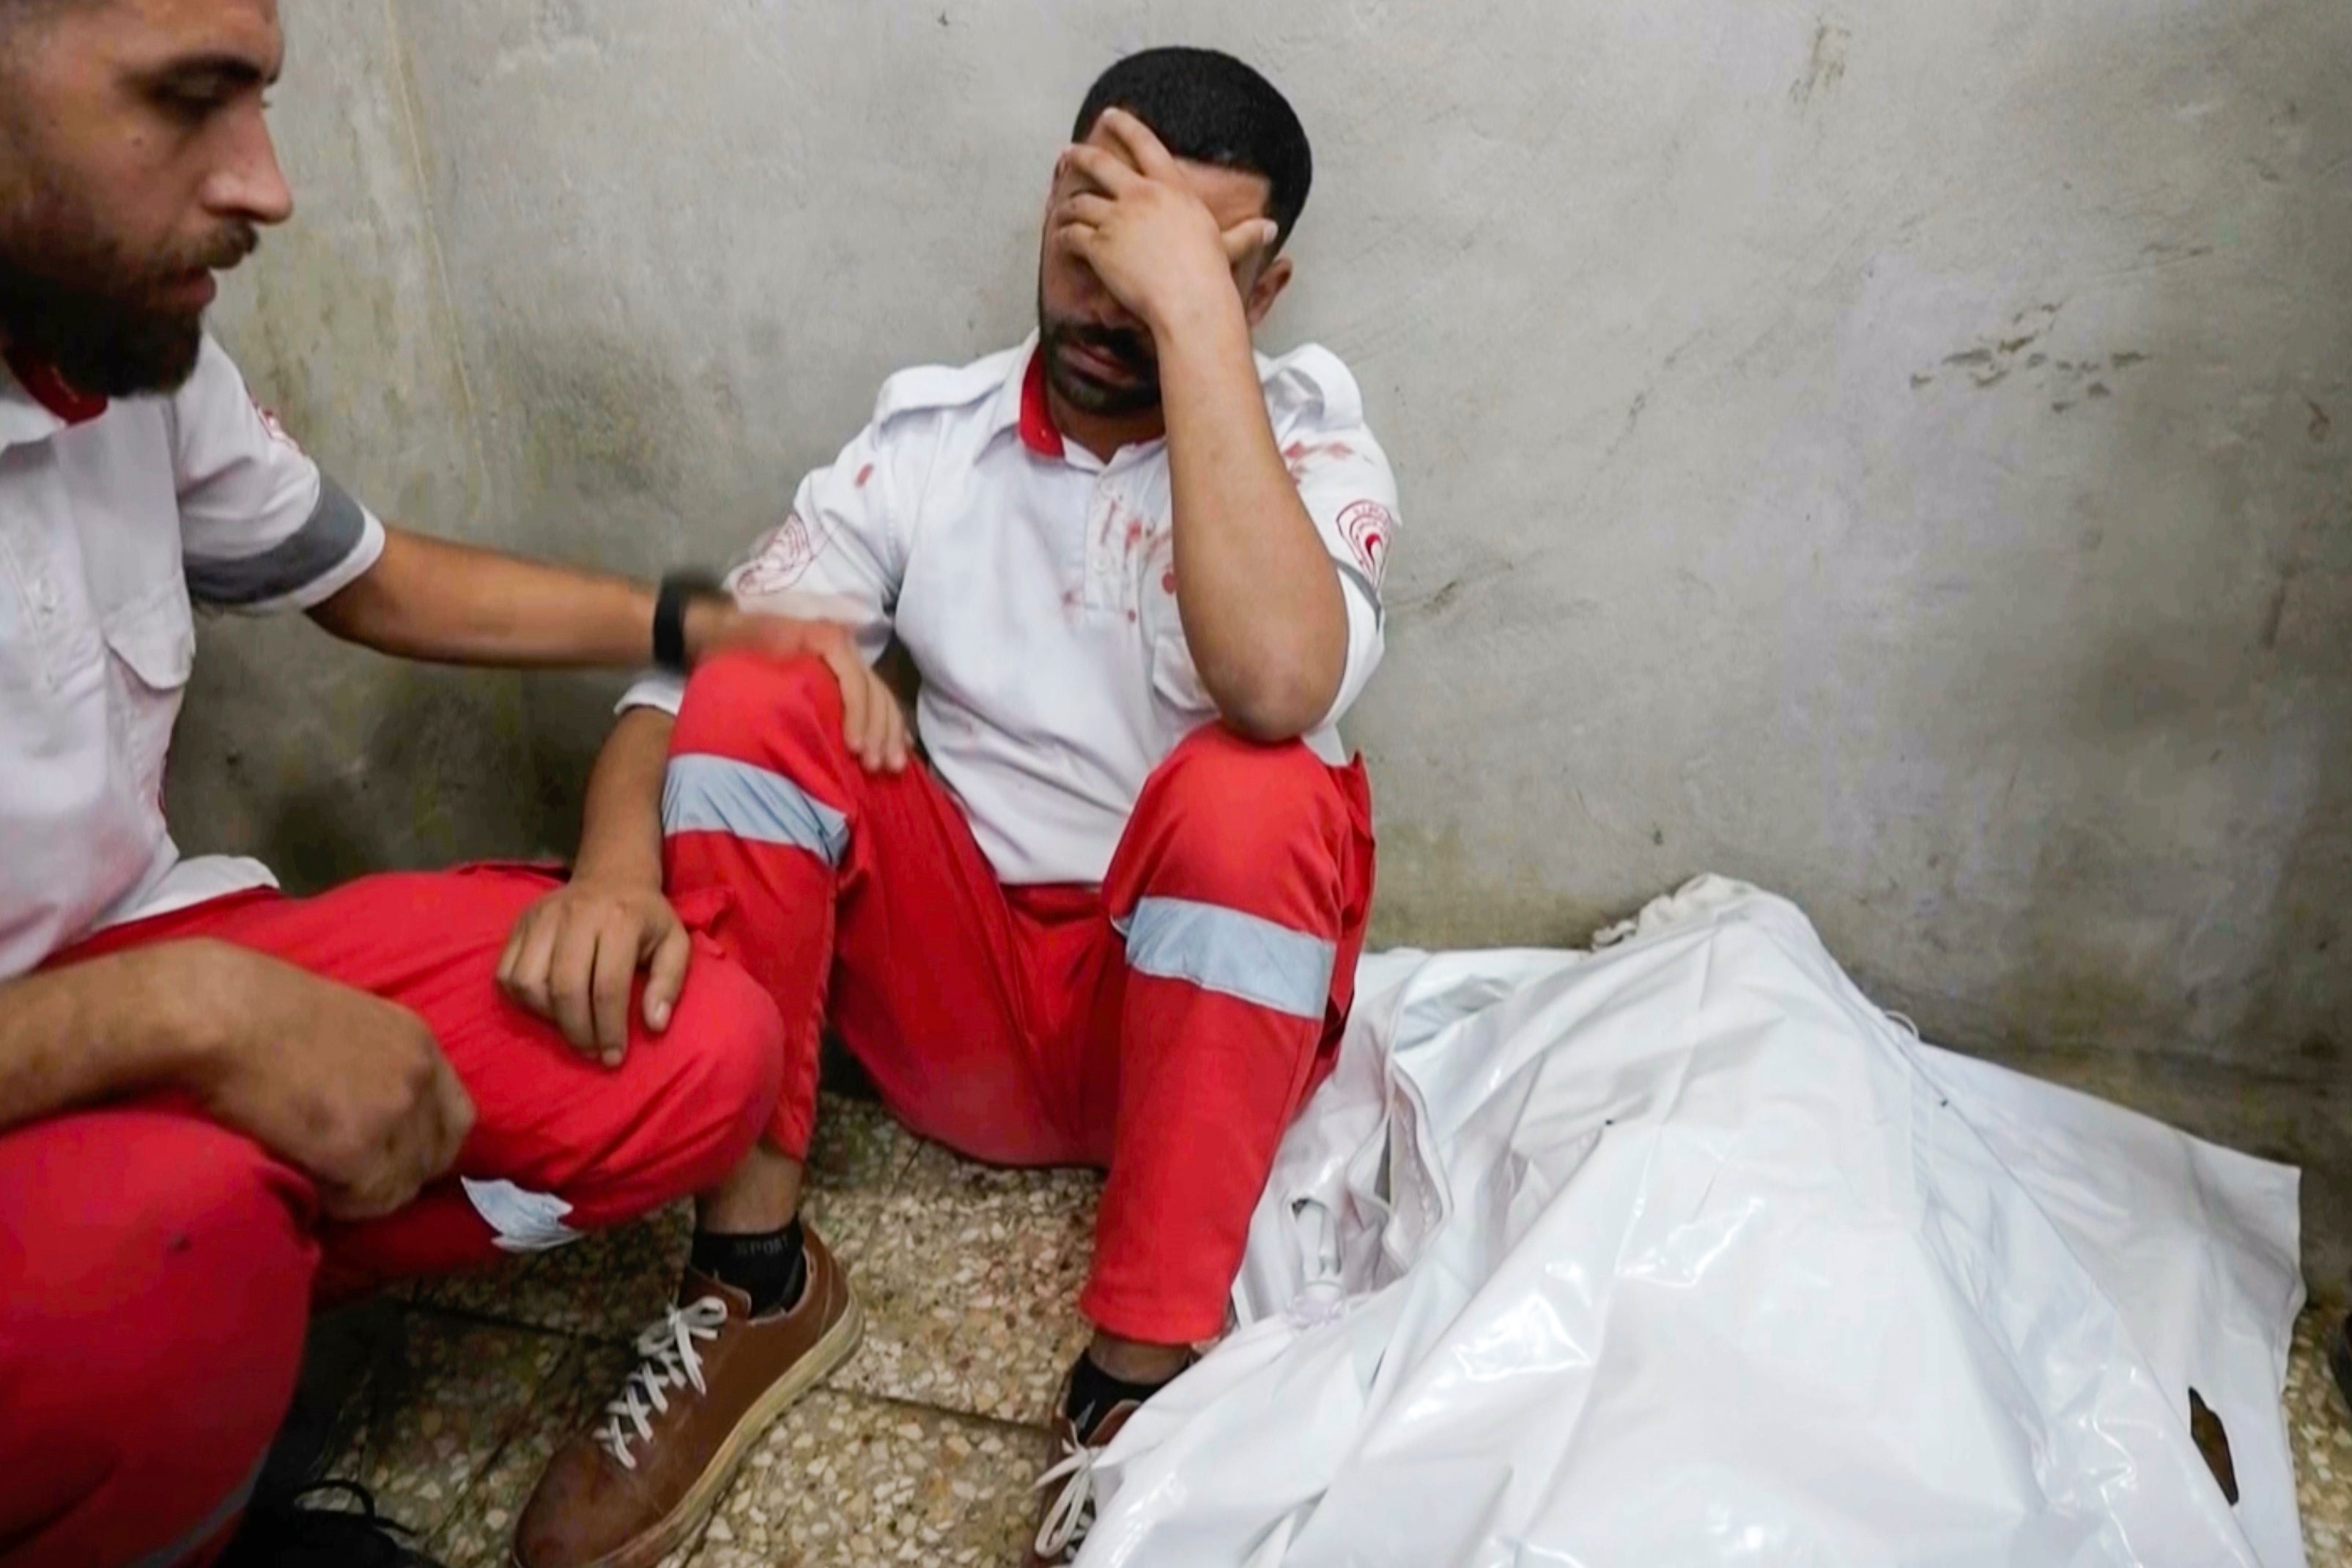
[(1130, 350), (78, 300)]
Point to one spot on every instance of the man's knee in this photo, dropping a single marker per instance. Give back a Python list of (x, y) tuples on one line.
[(1233, 812), (160, 1265), (739, 700), (159, 1200), (758, 758)]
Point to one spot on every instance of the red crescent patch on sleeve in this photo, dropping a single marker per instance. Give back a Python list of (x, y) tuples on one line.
[(780, 560), (271, 426), (1366, 526)]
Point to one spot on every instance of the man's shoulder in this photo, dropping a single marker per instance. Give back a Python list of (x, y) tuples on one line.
[(1311, 381), (214, 381), (945, 388), (216, 403)]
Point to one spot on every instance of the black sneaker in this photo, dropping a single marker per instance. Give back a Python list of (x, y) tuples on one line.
[(347, 1350), (283, 1533)]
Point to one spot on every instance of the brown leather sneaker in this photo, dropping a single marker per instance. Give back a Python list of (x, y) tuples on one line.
[(713, 1378), (1069, 1483)]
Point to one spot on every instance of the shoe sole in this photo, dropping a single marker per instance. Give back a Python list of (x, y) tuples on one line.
[(703, 1497)]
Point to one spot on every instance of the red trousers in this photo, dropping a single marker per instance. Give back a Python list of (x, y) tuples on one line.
[(156, 1269), (1167, 1027)]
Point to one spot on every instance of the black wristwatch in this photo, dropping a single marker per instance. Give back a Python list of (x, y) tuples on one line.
[(678, 590)]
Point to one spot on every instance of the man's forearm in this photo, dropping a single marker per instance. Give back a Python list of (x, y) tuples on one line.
[(90, 1031), (620, 831), (1261, 602), (432, 599)]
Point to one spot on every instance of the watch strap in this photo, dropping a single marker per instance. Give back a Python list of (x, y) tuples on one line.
[(678, 590)]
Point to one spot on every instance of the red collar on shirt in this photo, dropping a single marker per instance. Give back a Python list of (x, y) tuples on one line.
[(1038, 431), (51, 390)]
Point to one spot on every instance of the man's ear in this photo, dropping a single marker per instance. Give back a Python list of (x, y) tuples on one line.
[(1272, 279)]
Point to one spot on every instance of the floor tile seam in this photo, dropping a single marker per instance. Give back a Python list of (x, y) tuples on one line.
[(899, 1401), (481, 1318), (566, 1364)]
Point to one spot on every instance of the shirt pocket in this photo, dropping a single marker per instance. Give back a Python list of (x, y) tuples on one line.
[(1176, 685), (152, 644), (21, 669), (1129, 545), (49, 636)]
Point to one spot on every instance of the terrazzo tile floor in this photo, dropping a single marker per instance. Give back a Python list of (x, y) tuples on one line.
[(923, 1448)]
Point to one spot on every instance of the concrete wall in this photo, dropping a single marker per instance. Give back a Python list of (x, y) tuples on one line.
[(332, 761), (1894, 453)]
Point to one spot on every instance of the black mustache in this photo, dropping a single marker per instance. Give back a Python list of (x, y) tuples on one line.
[(1129, 348), (235, 243), (219, 253)]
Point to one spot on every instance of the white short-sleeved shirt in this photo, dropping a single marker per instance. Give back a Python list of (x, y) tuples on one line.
[(1035, 587), (115, 520)]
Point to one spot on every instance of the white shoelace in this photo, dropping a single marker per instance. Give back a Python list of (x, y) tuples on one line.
[(1073, 1514), (670, 1362)]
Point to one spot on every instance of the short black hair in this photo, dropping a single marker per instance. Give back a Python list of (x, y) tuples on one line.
[(1209, 108)]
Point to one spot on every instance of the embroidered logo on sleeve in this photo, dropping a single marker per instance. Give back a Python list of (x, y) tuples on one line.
[(780, 560), (1366, 526)]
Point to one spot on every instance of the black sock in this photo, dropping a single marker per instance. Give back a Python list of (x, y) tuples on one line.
[(771, 1266), (1094, 1391)]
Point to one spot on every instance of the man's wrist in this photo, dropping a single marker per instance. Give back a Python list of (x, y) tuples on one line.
[(184, 1004), (616, 869), (1197, 312), (689, 609), (708, 618)]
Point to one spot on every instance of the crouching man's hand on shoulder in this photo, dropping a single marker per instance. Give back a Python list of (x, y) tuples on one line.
[(873, 724)]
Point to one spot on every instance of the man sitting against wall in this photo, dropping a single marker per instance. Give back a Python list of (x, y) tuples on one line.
[(218, 1102), (1115, 919)]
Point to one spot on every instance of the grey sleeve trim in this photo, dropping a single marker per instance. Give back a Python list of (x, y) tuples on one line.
[(337, 525), (1364, 586)]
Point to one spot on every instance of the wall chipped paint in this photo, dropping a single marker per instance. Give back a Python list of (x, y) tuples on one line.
[(1897, 455)]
